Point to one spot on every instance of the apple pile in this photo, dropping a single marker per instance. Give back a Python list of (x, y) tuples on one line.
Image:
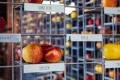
[(35, 53)]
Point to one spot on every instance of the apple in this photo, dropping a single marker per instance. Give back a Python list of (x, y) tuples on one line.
[(18, 52), (99, 68), (88, 77), (74, 14), (36, 1), (45, 48), (85, 32), (98, 21), (40, 15), (88, 56), (59, 77), (54, 19), (105, 30), (115, 19), (66, 52), (58, 18), (111, 73), (68, 44), (53, 54), (32, 53), (90, 22), (62, 1), (68, 25), (109, 3), (55, 77), (91, 32), (99, 45), (2, 24)]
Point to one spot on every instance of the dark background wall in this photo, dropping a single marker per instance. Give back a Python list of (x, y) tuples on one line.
[(3, 10)]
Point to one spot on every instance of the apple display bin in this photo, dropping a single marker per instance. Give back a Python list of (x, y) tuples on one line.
[(84, 59)]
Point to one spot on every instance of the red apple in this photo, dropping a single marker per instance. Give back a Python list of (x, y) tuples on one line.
[(2, 24), (90, 22), (98, 21), (44, 49), (36, 1), (88, 77), (32, 53), (53, 54), (88, 56)]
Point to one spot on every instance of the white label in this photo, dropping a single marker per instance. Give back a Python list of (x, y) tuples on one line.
[(10, 38), (32, 68), (84, 37), (112, 63), (111, 10), (43, 7)]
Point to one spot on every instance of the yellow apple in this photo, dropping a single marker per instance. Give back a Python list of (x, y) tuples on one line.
[(62, 1), (54, 19), (68, 25), (58, 18), (84, 32), (99, 45), (74, 14), (66, 52), (99, 68), (68, 44)]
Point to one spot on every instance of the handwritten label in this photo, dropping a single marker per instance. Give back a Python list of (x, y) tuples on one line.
[(10, 38), (111, 10), (43, 7), (44, 67), (112, 63), (84, 37), (33, 68)]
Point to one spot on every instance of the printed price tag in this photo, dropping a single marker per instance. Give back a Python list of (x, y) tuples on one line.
[(43, 7), (111, 10), (112, 63), (43, 67), (84, 37), (10, 38)]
